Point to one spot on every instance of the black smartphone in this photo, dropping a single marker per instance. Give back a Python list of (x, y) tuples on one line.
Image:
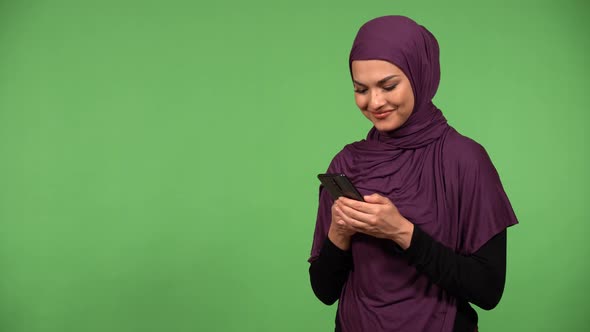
[(339, 185)]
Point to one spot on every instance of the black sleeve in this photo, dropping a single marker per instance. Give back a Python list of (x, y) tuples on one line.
[(477, 278), (329, 272)]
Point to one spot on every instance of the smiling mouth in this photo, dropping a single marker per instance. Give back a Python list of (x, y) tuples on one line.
[(382, 115)]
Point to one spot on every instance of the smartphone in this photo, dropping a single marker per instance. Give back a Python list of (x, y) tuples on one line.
[(339, 185)]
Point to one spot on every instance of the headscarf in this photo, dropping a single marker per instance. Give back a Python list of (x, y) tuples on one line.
[(438, 179)]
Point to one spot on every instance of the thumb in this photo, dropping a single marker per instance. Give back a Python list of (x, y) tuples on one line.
[(375, 198)]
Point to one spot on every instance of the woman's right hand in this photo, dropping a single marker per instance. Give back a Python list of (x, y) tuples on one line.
[(339, 232)]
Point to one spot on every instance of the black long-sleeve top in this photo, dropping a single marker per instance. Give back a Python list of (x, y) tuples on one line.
[(477, 278)]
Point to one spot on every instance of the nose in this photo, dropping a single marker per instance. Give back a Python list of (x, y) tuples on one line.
[(376, 101)]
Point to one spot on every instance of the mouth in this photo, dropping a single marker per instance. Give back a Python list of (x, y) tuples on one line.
[(382, 115)]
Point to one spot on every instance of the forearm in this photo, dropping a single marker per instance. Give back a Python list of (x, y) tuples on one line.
[(478, 278), (329, 272)]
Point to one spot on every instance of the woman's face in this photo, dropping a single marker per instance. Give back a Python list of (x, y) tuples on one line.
[(383, 93)]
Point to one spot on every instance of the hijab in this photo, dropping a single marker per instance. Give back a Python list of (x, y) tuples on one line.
[(441, 181)]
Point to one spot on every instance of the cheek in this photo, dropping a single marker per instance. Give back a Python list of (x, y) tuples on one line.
[(405, 99), (361, 101)]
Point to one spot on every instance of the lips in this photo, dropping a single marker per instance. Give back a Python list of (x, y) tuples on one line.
[(382, 115)]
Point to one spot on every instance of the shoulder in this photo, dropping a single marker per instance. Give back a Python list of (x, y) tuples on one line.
[(467, 160), (462, 151), (345, 158)]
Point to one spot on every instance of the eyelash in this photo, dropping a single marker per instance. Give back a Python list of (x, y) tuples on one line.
[(386, 88)]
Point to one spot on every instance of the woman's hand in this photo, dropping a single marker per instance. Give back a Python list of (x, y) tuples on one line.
[(376, 216), (339, 232)]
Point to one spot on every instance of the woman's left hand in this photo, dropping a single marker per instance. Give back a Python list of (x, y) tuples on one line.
[(376, 216)]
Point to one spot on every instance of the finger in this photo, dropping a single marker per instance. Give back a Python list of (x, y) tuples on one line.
[(367, 218), (355, 225), (352, 222), (337, 213), (376, 199), (357, 205), (341, 224)]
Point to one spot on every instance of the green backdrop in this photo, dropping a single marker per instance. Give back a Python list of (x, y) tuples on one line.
[(158, 159)]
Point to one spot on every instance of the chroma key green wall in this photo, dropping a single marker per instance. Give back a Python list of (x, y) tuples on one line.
[(158, 159)]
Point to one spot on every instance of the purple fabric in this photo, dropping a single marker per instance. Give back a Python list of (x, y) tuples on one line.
[(441, 181)]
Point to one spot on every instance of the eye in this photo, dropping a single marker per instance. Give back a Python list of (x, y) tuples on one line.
[(389, 87), (360, 91)]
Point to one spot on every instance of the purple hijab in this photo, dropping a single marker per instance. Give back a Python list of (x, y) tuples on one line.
[(441, 181)]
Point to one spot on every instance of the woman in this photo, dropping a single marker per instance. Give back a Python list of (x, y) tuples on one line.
[(430, 237)]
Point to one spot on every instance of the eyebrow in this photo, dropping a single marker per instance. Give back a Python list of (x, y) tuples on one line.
[(380, 81)]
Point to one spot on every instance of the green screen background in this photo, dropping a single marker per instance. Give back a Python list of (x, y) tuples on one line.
[(158, 159)]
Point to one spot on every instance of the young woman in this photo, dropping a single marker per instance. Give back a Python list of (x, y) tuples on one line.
[(430, 237)]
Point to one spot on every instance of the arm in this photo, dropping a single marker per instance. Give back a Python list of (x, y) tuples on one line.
[(477, 278), (329, 272)]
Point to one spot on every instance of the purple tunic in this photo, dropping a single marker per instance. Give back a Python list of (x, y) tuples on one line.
[(440, 180)]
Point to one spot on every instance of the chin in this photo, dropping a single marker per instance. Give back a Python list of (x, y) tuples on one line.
[(386, 127)]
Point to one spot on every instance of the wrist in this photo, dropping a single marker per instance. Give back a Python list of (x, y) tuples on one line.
[(404, 236), (340, 240)]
